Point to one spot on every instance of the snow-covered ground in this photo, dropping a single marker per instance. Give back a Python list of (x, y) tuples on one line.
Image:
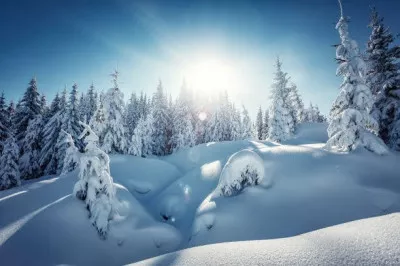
[(373, 241), (166, 204)]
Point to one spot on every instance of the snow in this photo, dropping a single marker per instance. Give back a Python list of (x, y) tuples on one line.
[(165, 204), (244, 168), (372, 241)]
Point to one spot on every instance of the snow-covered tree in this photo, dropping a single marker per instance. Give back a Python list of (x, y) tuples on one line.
[(50, 158), (27, 109), (91, 101), (71, 117), (115, 134), (132, 114), (9, 170), (383, 77), (98, 120), (71, 158), (31, 146), (95, 185), (247, 131), (259, 124), (160, 121), (281, 125), (296, 104), (142, 140), (10, 112), (265, 125), (201, 127), (351, 124), (4, 130), (312, 114), (236, 124), (183, 134)]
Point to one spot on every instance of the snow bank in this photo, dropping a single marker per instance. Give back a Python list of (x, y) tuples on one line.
[(244, 168), (373, 241)]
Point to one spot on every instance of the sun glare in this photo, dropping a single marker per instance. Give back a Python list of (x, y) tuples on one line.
[(211, 75)]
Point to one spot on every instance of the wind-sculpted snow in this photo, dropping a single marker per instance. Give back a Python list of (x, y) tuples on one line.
[(373, 241), (244, 168)]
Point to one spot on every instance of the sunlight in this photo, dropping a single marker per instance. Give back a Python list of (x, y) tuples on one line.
[(211, 75)]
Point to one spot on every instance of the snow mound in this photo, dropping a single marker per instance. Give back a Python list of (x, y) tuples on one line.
[(372, 241), (244, 168)]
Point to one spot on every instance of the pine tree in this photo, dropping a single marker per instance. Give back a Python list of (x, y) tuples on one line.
[(10, 112), (98, 120), (91, 102), (71, 119), (95, 185), (31, 146), (9, 171), (142, 140), (351, 125), (281, 125), (236, 124), (383, 77), (265, 126), (72, 155), (132, 114), (247, 131), (259, 124), (4, 130), (27, 109), (51, 158), (114, 140), (296, 104), (183, 134), (160, 122)]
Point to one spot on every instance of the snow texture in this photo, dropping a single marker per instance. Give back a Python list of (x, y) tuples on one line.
[(373, 241), (244, 168)]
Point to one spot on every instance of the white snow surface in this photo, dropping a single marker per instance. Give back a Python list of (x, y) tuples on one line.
[(165, 204), (373, 241), (244, 168)]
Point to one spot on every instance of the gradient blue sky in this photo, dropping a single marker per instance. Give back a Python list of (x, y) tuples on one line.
[(83, 41)]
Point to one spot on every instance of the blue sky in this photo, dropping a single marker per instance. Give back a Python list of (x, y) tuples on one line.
[(81, 41)]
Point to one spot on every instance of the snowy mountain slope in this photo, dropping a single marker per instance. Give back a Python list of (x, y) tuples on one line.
[(372, 241), (165, 203)]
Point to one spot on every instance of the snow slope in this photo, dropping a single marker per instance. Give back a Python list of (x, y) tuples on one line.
[(42, 224), (166, 204), (373, 241)]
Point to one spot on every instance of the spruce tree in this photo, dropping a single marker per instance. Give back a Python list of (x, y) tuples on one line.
[(259, 124), (4, 130), (51, 158), (351, 125), (160, 121), (71, 119), (31, 146), (265, 125), (247, 131), (281, 125), (27, 109), (9, 170), (115, 135), (95, 185), (142, 141), (383, 77)]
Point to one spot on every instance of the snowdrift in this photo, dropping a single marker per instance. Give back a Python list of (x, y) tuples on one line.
[(372, 241)]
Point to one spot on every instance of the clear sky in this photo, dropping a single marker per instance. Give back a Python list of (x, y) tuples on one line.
[(84, 40)]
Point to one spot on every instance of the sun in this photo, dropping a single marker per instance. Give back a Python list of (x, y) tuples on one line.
[(211, 75)]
